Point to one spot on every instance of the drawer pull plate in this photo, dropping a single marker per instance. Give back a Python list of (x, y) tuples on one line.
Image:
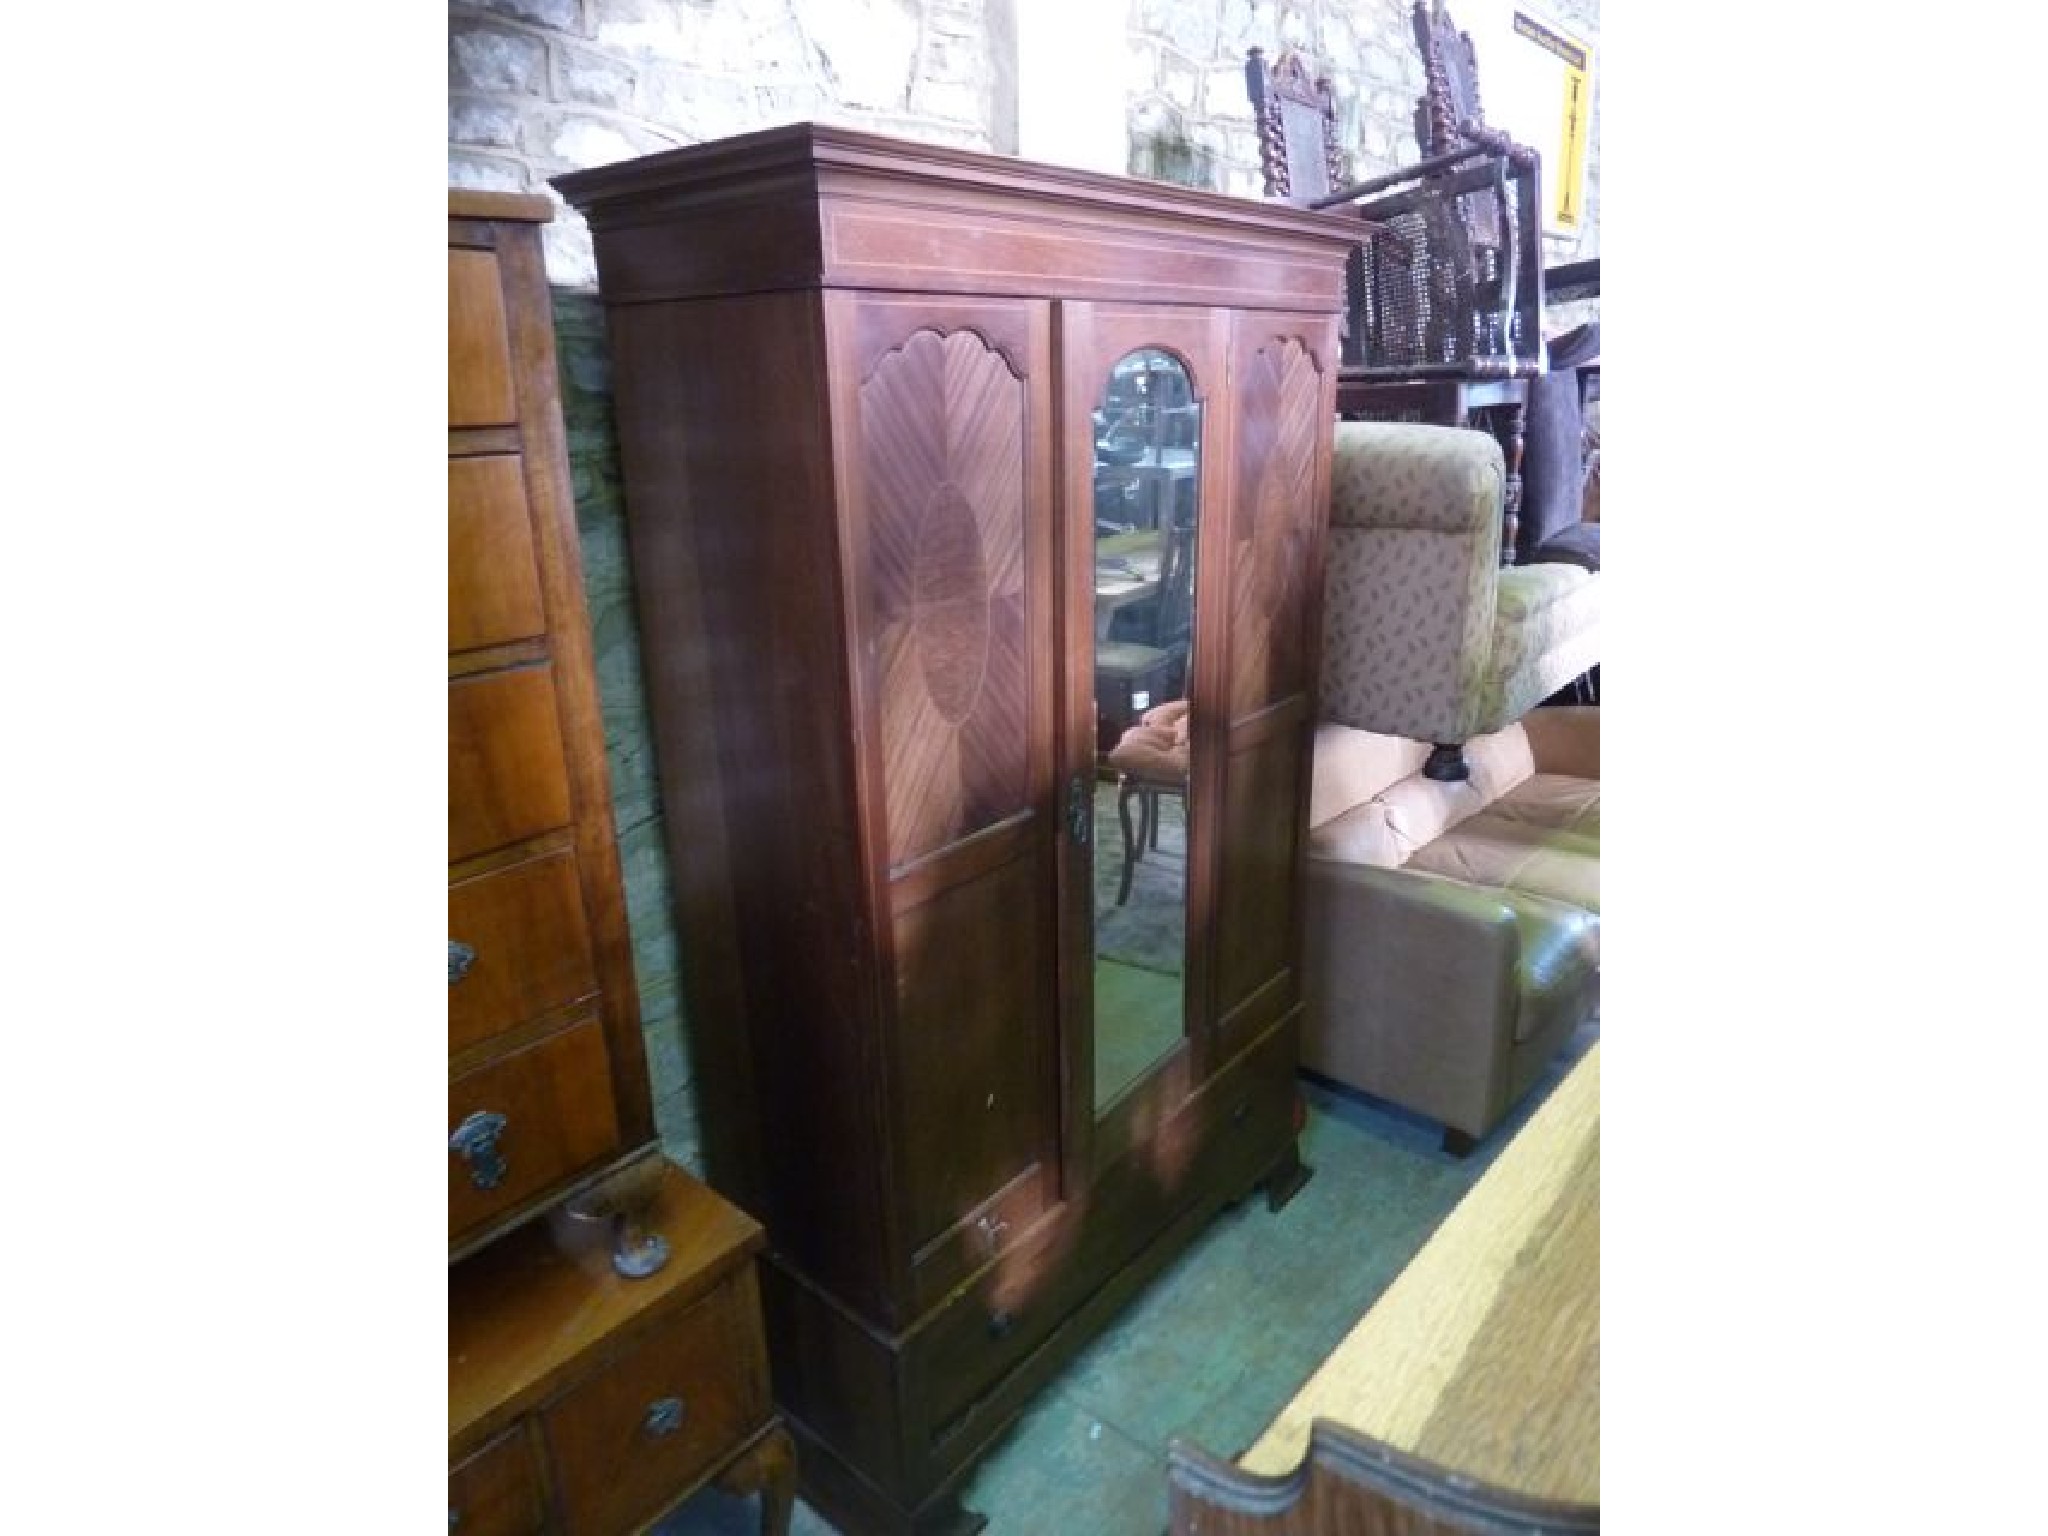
[(460, 958), (476, 1142), (664, 1417)]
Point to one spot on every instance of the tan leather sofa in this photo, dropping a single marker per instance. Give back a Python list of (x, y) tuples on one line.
[(1453, 928)]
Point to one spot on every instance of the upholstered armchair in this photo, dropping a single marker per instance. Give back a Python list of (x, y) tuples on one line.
[(1425, 633)]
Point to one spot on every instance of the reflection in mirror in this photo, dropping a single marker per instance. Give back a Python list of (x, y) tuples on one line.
[(1147, 494)]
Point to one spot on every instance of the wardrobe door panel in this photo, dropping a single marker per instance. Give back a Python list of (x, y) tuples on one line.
[(977, 1068), (1284, 378), (947, 516), (1285, 402), (1258, 900), (944, 479)]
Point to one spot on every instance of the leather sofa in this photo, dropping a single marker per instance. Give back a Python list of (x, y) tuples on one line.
[(1453, 937)]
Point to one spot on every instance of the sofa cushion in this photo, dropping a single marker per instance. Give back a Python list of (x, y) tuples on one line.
[(1384, 809), (1516, 856), (1556, 801)]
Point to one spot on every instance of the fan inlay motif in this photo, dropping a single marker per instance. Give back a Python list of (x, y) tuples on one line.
[(942, 422)]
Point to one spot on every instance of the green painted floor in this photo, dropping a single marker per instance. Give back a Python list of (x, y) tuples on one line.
[(1220, 1342)]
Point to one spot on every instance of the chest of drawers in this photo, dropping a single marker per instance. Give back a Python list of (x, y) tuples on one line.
[(547, 1073), (585, 1404), (581, 1402)]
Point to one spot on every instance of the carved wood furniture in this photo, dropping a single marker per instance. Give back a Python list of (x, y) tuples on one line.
[(857, 382), (606, 1361), (1468, 1398), (1296, 117), (1446, 296)]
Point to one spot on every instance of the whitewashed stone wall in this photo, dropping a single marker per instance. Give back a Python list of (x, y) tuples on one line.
[(539, 87)]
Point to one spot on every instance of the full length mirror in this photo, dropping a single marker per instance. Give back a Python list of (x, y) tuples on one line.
[(1147, 508)]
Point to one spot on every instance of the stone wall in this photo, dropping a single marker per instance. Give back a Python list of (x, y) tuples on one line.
[(539, 87)]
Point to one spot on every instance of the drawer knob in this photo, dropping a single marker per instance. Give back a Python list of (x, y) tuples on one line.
[(664, 1417), (1000, 1324), (476, 1142), (460, 958)]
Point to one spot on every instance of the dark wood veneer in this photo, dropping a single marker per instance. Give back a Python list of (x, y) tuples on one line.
[(854, 380)]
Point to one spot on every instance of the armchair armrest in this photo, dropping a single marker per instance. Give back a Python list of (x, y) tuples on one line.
[(1421, 170)]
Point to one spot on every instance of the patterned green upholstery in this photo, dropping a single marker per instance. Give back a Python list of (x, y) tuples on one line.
[(1425, 634)]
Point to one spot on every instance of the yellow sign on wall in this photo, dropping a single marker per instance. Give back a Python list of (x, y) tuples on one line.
[(1555, 78)]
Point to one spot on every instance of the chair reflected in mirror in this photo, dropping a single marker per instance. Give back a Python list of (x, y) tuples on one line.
[(1150, 760), (1144, 622)]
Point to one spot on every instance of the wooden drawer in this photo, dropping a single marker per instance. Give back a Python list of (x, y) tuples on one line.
[(493, 582), (507, 777), (555, 1097), (630, 1439), (527, 947), (480, 392), (963, 1354), (496, 1492)]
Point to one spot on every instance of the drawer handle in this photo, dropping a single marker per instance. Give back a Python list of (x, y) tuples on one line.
[(1001, 1324), (664, 1417), (476, 1142), (460, 958)]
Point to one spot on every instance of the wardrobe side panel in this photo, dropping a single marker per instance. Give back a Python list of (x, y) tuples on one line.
[(726, 450)]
